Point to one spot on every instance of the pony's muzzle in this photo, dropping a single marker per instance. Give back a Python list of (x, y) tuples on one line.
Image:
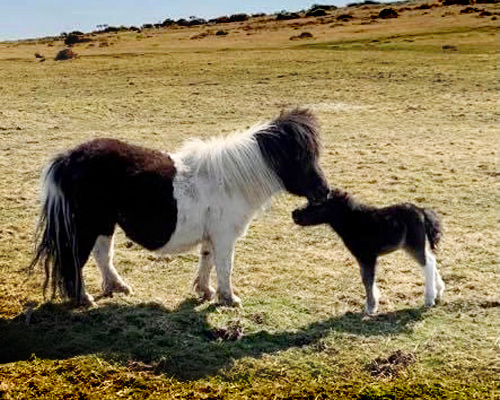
[(318, 196)]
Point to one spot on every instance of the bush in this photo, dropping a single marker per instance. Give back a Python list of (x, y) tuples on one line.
[(303, 35), (344, 17), (238, 17), (168, 22), (72, 39), (66, 54), (221, 33), (318, 12), (286, 16), (456, 2), (388, 13), (364, 3), (197, 21)]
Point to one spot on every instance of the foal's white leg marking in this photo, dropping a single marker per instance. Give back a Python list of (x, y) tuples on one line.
[(371, 288), (111, 280), (224, 258), (430, 279), (205, 264), (440, 286)]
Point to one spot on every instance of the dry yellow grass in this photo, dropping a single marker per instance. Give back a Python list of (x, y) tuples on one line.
[(402, 119)]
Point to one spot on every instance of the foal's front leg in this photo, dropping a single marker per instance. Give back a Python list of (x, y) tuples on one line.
[(368, 276), (224, 258), (205, 264), (111, 280)]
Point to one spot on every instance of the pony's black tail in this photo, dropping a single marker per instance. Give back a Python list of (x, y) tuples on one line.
[(57, 248), (433, 227)]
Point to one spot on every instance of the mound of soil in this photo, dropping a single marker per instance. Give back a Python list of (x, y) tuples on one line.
[(233, 331), (391, 366)]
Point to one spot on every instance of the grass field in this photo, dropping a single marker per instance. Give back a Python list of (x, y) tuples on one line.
[(403, 119)]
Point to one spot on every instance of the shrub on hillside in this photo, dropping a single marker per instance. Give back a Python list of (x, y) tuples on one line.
[(344, 17), (303, 35), (66, 54), (388, 13), (238, 17), (364, 3), (317, 12), (72, 39), (283, 16)]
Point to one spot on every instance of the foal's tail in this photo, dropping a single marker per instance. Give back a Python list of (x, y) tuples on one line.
[(56, 247), (433, 227)]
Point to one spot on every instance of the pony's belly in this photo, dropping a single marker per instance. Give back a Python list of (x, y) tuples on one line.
[(182, 240)]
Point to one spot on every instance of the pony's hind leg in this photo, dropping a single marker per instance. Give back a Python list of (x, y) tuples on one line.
[(103, 255), (202, 281), (368, 276)]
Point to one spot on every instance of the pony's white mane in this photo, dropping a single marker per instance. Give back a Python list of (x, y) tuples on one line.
[(234, 162)]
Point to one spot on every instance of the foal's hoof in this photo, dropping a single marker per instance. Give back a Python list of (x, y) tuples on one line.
[(370, 312), (430, 302), (228, 301)]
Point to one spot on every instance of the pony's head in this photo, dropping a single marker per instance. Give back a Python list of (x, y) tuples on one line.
[(324, 213), (290, 145)]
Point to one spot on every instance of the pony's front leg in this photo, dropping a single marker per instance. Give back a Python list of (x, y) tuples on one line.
[(111, 280), (224, 257), (205, 264)]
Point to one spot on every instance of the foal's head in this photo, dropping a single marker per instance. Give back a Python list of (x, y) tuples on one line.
[(323, 213), (291, 148)]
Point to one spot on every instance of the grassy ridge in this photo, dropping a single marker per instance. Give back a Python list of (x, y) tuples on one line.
[(417, 125)]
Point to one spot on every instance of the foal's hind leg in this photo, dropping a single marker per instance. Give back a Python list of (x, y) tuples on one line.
[(440, 286), (368, 276), (111, 280), (428, 262), (205, 264)]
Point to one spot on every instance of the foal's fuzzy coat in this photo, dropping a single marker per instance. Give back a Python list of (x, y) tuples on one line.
[(369, 232)]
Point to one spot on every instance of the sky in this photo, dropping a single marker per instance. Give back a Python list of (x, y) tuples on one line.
[(24, 19)]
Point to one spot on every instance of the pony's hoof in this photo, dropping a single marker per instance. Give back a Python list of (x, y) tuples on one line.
[(204, 294), (87, 301), (228, 301), (116, 287)]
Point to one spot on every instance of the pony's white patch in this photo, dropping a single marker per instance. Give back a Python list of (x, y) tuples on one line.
[(219, 213), (244, 185)]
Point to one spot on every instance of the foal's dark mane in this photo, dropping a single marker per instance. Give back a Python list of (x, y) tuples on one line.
[(343, 198)]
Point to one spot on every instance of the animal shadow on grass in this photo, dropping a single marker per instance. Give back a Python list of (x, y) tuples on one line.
[(180, 343)]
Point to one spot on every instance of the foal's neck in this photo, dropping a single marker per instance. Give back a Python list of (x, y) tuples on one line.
[(343, 212)]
